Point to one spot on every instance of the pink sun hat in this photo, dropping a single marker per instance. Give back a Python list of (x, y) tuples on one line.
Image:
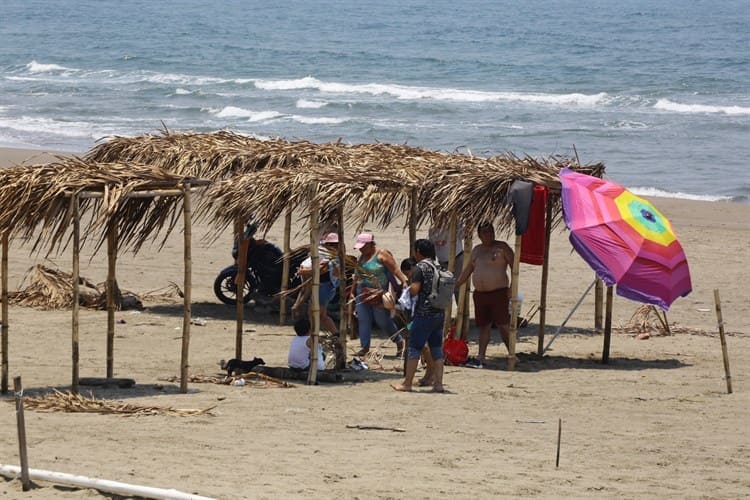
[(363, 239), (330, 238)]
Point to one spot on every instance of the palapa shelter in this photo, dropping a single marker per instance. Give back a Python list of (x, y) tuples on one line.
[(120, 203), (265, 179)]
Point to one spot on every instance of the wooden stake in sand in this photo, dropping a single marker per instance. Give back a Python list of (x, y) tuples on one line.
[(559, 435), (18, 388), (608, 324), (725, 355), (111, 291)]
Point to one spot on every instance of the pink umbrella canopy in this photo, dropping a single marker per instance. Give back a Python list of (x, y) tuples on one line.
[(624, 239)]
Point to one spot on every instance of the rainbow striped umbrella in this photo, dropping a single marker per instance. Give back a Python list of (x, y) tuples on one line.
[(625, 240)]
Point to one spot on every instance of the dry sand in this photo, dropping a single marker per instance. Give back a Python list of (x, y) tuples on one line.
[(655, 422)]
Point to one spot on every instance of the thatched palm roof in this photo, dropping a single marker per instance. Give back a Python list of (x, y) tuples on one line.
[(39, 197), (262, 178)]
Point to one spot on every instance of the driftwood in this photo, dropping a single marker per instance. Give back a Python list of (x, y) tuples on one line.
[(284, 372)]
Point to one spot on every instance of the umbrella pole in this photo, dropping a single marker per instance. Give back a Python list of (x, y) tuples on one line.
[(598, 303), (607, 325), (724, 353), (565, 321), (514, 305)]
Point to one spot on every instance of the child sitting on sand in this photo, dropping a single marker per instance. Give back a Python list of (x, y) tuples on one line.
[(299, 350)]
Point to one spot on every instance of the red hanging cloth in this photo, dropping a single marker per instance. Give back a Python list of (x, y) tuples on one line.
[(532, 241)]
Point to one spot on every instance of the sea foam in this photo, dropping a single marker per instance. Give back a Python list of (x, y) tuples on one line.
[(35, 67), (667, 105), (659, 193)]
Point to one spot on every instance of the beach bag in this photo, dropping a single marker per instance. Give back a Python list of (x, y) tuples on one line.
[(456, 350), (443, 285), (372, 297)]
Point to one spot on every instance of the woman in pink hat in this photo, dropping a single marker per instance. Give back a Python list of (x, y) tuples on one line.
[(370, 282)]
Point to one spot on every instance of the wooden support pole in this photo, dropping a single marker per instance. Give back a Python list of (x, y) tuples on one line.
[(286, 265), (452, 268), (239, 285), (5, 321), (21, 422), (724, 353), (559, 437), (514, 305), (598, 304), (464, 293), (413, 215), (343, 316), (76, 290), (545, 279), (312, 372), (111, 292), (187, 287), (608, 324)]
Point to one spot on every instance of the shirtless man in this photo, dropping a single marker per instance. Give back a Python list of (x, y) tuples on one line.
[(488, 269)]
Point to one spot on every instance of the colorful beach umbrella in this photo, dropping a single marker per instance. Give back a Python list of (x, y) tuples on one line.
[(625, 239)]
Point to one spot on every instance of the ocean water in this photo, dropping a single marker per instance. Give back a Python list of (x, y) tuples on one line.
[(657, 90)]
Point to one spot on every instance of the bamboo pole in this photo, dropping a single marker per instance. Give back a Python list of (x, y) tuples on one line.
[(452, 268), (239, 285), (413, 221), (21, 424), (5, 322), (149, 193), (598, 304), (343, 316), (286, 264), (312, 372), (465, 303), (514, 305), (545, 279), (76, 289), (724, 353), (111, 284), (125, 489), (187, 287), (608, 324)]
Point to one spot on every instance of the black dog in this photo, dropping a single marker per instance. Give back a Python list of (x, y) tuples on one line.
[(238, 367)]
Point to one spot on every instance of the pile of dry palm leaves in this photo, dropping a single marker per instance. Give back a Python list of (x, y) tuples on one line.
[(69, 402), (648, 321), (253, 379), (53, 289)]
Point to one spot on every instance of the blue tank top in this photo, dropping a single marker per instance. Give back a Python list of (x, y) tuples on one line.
[(376, 274)]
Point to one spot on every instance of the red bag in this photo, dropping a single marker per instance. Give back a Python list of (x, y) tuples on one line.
[(456, 350)]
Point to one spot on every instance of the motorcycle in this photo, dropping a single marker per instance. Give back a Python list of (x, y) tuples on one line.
[(264, 269)]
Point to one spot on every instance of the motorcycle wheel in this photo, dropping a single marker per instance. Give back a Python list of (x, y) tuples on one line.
[(226, 289)]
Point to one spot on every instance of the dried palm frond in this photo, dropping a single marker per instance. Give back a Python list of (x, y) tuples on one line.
[(69, 402), (53, 289), (170, 292)]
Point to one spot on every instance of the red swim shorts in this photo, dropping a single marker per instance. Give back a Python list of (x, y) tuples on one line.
[(492, 307)]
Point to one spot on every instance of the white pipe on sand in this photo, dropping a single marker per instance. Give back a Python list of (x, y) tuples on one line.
[(12, 471)]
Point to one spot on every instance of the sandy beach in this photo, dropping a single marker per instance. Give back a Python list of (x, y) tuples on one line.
[(656, 422)]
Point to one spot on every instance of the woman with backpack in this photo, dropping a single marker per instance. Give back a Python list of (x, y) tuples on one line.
[(427, 322)]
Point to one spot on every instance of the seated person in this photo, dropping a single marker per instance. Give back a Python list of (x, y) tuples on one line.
[(299, 350)]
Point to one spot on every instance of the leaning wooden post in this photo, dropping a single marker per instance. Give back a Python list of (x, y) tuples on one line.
[(187, 285), (312, 373), (111, 290), (239, 285), (514, 305), (4, 326), (598, 304), (20, 421), (545, 278), (413, 220), (343, 316), (285, 266), (607, 324), (76, 289), (725, 355), (452, 268)]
